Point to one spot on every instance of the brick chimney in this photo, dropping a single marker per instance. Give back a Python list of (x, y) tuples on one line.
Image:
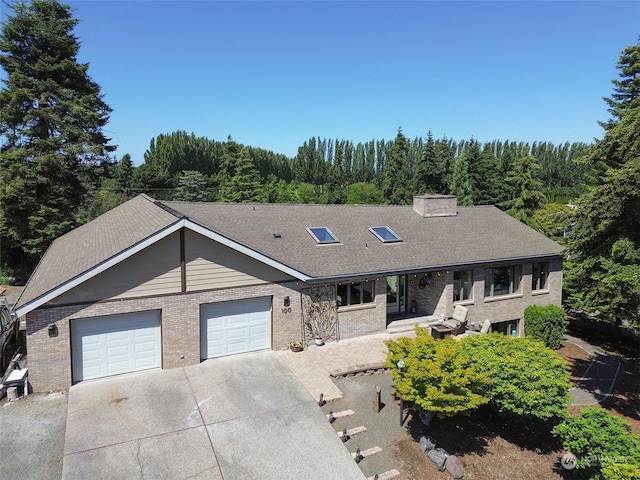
[(431, 205)]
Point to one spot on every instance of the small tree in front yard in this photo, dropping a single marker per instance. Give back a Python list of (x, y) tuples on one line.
[(527, 378), (604, 445), (438, 376), (545, 323)]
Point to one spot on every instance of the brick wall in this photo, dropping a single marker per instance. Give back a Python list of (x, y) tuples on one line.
[(50, 357)]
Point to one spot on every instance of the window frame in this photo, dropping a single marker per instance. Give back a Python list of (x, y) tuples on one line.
[(540, 277), (515, 280), (362, 293), (327, 232), (466, 294), (395, 237)]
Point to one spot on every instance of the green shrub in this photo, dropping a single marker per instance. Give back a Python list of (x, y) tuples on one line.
[(546, 324), (527, 378), (604, 445)]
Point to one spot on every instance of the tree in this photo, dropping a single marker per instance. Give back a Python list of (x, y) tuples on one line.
[(460, 182), (527, 378), (605, 244), (124, 174), (245, 185), (51, 120), (527, 189), (364, 193), (554, 220), (627, 89), (602, 444), (546, 324), (396, 175), (428, 177), (438, 376), (191, 187)]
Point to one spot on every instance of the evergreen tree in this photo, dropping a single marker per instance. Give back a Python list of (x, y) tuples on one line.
[(51, 120), (526, 189), (428, 176), (460, 182), (124, 174), (604, 247), (627, 89), (245, 186), (396, 175), (192, 187)]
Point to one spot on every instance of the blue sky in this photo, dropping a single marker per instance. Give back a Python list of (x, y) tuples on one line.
[(274, 74)]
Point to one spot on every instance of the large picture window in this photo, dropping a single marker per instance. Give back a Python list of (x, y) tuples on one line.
[(502, 280), (356, 293), (462, 285), (540, 277)]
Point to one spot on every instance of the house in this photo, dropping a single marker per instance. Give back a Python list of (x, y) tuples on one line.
[(159, 284)]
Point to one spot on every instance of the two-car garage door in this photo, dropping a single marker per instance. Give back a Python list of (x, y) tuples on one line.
[(114, 344)]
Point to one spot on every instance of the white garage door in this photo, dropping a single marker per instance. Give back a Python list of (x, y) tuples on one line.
[(240, 326), (115, 344)]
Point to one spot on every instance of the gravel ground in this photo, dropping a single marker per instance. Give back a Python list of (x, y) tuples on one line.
[(32, 431), (383, 428)]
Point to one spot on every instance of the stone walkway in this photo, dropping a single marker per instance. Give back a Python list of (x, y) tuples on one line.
[(314, 365)]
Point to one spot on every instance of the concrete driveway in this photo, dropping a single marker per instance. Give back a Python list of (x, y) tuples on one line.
[(243, 417)]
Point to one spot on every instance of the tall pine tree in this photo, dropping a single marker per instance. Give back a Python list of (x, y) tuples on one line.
[(51, 120), (396, 175)]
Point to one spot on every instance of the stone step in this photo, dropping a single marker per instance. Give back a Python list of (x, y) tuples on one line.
[(386, 475), (353, 431), (368, 452), (343, 413)]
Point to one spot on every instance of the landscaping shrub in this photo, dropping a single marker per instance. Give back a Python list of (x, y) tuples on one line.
[(545, 323), (605, 446)]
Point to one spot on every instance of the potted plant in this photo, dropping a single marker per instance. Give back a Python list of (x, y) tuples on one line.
[(295, 346), (320, 315)]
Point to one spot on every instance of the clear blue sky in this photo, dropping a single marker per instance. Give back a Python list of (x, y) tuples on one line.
[(274, 74)]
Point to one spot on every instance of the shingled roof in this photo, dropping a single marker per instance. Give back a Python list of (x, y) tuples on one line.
[(279, 232)]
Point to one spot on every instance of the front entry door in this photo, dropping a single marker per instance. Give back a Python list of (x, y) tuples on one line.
[(396, 293)]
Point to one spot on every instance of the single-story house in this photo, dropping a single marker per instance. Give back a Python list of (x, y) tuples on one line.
[(164, 284)]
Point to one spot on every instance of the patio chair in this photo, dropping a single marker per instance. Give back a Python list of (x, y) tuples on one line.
[(486, 326), (455, 324)]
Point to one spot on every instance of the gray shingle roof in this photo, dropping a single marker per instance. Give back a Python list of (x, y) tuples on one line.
[(475, 235), (91, 244)]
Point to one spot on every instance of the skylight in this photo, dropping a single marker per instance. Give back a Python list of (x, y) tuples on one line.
[(385, 234), (322, 235)]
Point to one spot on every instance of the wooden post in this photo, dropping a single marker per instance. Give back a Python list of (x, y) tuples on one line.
[(376, 400)]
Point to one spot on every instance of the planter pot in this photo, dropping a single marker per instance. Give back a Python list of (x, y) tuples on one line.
[(295, 348), (319, 342)]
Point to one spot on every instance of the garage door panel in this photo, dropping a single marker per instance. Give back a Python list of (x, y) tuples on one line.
[(239, 326), (115, 344)]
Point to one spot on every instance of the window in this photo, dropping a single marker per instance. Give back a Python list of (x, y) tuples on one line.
[(322, 235), (540, 276), (462, 285), (356, 293), (385, 234), (502, 280)]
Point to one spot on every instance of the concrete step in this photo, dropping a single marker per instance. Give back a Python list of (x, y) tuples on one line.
[(409, 324)]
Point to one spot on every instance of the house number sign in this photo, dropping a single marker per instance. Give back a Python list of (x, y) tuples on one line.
[(286, 310)]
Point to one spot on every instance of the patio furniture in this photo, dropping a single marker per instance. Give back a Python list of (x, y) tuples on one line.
[(451, 326), (486, 326)]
